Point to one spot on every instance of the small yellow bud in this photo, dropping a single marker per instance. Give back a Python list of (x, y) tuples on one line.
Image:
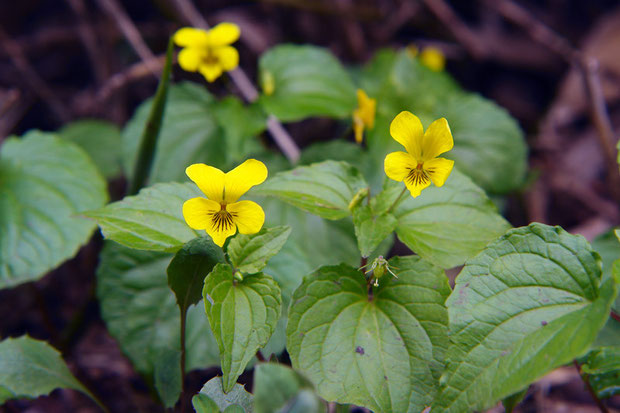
[(269, 84)]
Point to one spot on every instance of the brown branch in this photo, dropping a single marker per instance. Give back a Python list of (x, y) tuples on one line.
[(129, 30), (287, 145), (133, 73), (584, 377)]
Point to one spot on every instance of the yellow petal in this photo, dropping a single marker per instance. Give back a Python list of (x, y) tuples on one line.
[(247, 215), (221, 227), (242, 178), (407, 130), (198, 212), (210, 71), (437, 140), (189, 36), (224, 34), (397, 165), (210, 180), (438, 170), (190, 58), (433, 58), (366, 108), (358, 127), (227, 56), (416, 181)]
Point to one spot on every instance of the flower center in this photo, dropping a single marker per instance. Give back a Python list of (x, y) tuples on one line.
[(210, 58), (417, 176), (222, 220)]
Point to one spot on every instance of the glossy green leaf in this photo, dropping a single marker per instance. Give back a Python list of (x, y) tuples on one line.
[(372, 228), (324, 189), (31, 368), (141, 313), (547, 284), (444, 225), (189, 134), (243, 316), (385, 352), (41, 198), (237, 396), (250, 253), (280, 389), (305, 81), (189, 268), (100, 139), (152, 220)]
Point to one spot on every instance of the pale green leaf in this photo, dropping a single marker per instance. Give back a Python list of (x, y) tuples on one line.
[(530, 302), (31, 368), (383, 352), (151, 220), (243, 316), (445, 225), (324, 189), (250, 253), (307, 81), (100, 139), (45, 183), (280, 389), (237, 396)]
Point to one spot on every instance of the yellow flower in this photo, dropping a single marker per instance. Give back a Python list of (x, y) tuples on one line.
[(432, 58), (208, 52), (221, 214), (420, 164), (364, 115)]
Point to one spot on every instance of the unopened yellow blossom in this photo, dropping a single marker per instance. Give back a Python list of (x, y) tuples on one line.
[(222, 214), (364, 115), (208, 51), (433, 58), (420, 164)]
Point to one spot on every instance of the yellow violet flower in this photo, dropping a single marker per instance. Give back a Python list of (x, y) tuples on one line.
[(221, 214), (208, 52), (420, 164), (364, 115), (433, 58)]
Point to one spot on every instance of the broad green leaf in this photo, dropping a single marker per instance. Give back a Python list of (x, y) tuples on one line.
[(45, 183), (32, 368), (250, 253), (189, 134), (608, 248), (280, 389), (243, 316), (383, 352), (375, 75), (371, 228), (303, 81), (167, 375), (530, 302), (237, 396), (336, 150), (100, 139), (141, 313), (204, 404), (602, 360), (188, 269), (240, 125), (445, 225), (152, 220), (324, 189)]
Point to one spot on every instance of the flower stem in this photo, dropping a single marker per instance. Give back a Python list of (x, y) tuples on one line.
[(398, 200)]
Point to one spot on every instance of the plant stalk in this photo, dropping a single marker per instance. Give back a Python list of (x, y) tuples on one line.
[(584, 377)]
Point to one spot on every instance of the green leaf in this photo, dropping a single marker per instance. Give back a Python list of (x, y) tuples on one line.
[(250, 253), (189, 134), (324, 189), (602, 360), (305, 81), (32, 368), (243, 315), (385, 352), (513, 400), (100, 139), (371, 228), (237, 396), (445, 225), (530, 302), (278, 388), (41, 197), (606, 384), (141, 313), (152, 220), (608, 248), (204, 404), (167, 375), (150, 133), (188, 269)]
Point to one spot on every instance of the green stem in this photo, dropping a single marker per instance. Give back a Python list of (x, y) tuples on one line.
[(397, 201)]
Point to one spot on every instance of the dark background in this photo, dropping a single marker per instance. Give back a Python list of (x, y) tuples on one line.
[(62, 60)]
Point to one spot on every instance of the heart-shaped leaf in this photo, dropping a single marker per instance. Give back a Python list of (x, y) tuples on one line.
[(226, 402)]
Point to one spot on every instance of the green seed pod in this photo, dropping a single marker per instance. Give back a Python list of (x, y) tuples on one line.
[(238, 276), (358, 197)]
